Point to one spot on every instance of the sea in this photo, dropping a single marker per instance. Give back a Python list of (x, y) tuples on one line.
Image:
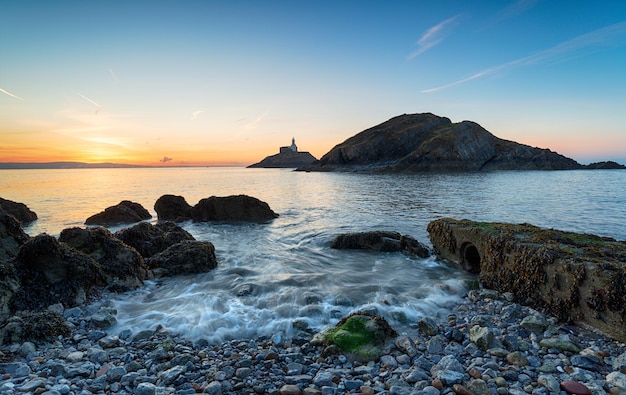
[(281, 278)]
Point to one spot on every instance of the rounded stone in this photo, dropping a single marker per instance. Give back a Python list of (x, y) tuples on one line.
[(575, 388)]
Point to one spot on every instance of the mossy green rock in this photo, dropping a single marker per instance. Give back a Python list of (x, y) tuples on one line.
[(361, 336)]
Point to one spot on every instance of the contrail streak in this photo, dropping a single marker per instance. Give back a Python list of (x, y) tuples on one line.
[(10, 94), (98, 106)]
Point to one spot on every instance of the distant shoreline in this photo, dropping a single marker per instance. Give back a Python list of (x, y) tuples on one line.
[(84, 165)]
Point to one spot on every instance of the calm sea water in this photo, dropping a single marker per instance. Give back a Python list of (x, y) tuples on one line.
[(278, 277)]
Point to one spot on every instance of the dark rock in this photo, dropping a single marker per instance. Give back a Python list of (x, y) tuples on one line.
[(9, 284), (151, 239), (172, 208), (19, 210), (574, 277), (575, 388), (427, 143), (384, 241), (122, 265), (609, 165), (232, 208), (12, 236), (287, 159), (126, 212), (51, 272), (39, 327), (186, 257)]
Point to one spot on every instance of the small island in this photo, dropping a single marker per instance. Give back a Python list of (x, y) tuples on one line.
[(287, 157)]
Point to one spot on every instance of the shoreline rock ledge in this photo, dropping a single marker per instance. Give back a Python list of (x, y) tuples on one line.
[(578, 278)]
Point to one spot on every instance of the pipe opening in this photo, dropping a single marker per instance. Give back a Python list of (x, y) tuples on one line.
[(470, 258)]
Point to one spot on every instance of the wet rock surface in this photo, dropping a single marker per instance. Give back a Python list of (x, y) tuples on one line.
[(384, 241), (172, 208), (232, 208), (575, 277), (186, 257), (438, 355), (122, 265), (52, 272), (151, 239), (19, 210), (125, 212)]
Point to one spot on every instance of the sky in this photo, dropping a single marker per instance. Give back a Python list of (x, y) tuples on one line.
[(229, 82)]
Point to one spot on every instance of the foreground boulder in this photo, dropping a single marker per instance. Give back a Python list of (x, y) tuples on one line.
[(51, 272), (186, 257), (172, 208), (125, 212), (232, 208), (151, 239), (12, 236), (37, 327), (384, 241), (122, 265), (575, 277), (19, 210), (362, 336), (9, 284)]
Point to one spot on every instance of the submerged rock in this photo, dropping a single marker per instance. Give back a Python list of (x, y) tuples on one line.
[(19, 210), (125, 212), (151, 239), (172, 208), (232, 208), (51, 272), (186, 257), (575, 277), (384, 241), (122, 265)]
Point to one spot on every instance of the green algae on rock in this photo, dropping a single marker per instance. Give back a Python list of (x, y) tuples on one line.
[(361, 336), (575, 277)]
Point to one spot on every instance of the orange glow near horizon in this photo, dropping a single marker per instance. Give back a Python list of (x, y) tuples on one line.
[(43, 151)]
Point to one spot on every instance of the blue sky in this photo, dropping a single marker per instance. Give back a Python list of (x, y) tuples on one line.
[(217, 82)]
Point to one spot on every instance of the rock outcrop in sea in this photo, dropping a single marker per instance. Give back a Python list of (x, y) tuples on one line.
[(125, 212), (215, 208), (429, 143), (287, 157), (575, 277), (377, 240), (19, 210)]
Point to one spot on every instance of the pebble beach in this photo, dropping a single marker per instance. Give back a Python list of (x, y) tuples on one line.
[(485, 345)]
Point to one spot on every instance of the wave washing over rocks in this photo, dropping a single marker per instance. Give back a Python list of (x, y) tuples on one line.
[(486, 345)]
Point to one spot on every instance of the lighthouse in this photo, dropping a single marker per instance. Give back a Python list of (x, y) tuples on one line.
[(293, 146)]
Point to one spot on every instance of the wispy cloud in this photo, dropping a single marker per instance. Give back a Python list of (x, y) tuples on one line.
[(432, 37), (254, 123), (558, 52), (515, 9), (195, 114), (98, 106), (10, 94), (113, 75)]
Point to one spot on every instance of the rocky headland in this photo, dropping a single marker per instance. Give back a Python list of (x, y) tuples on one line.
[(286, 159), (430, 143)]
